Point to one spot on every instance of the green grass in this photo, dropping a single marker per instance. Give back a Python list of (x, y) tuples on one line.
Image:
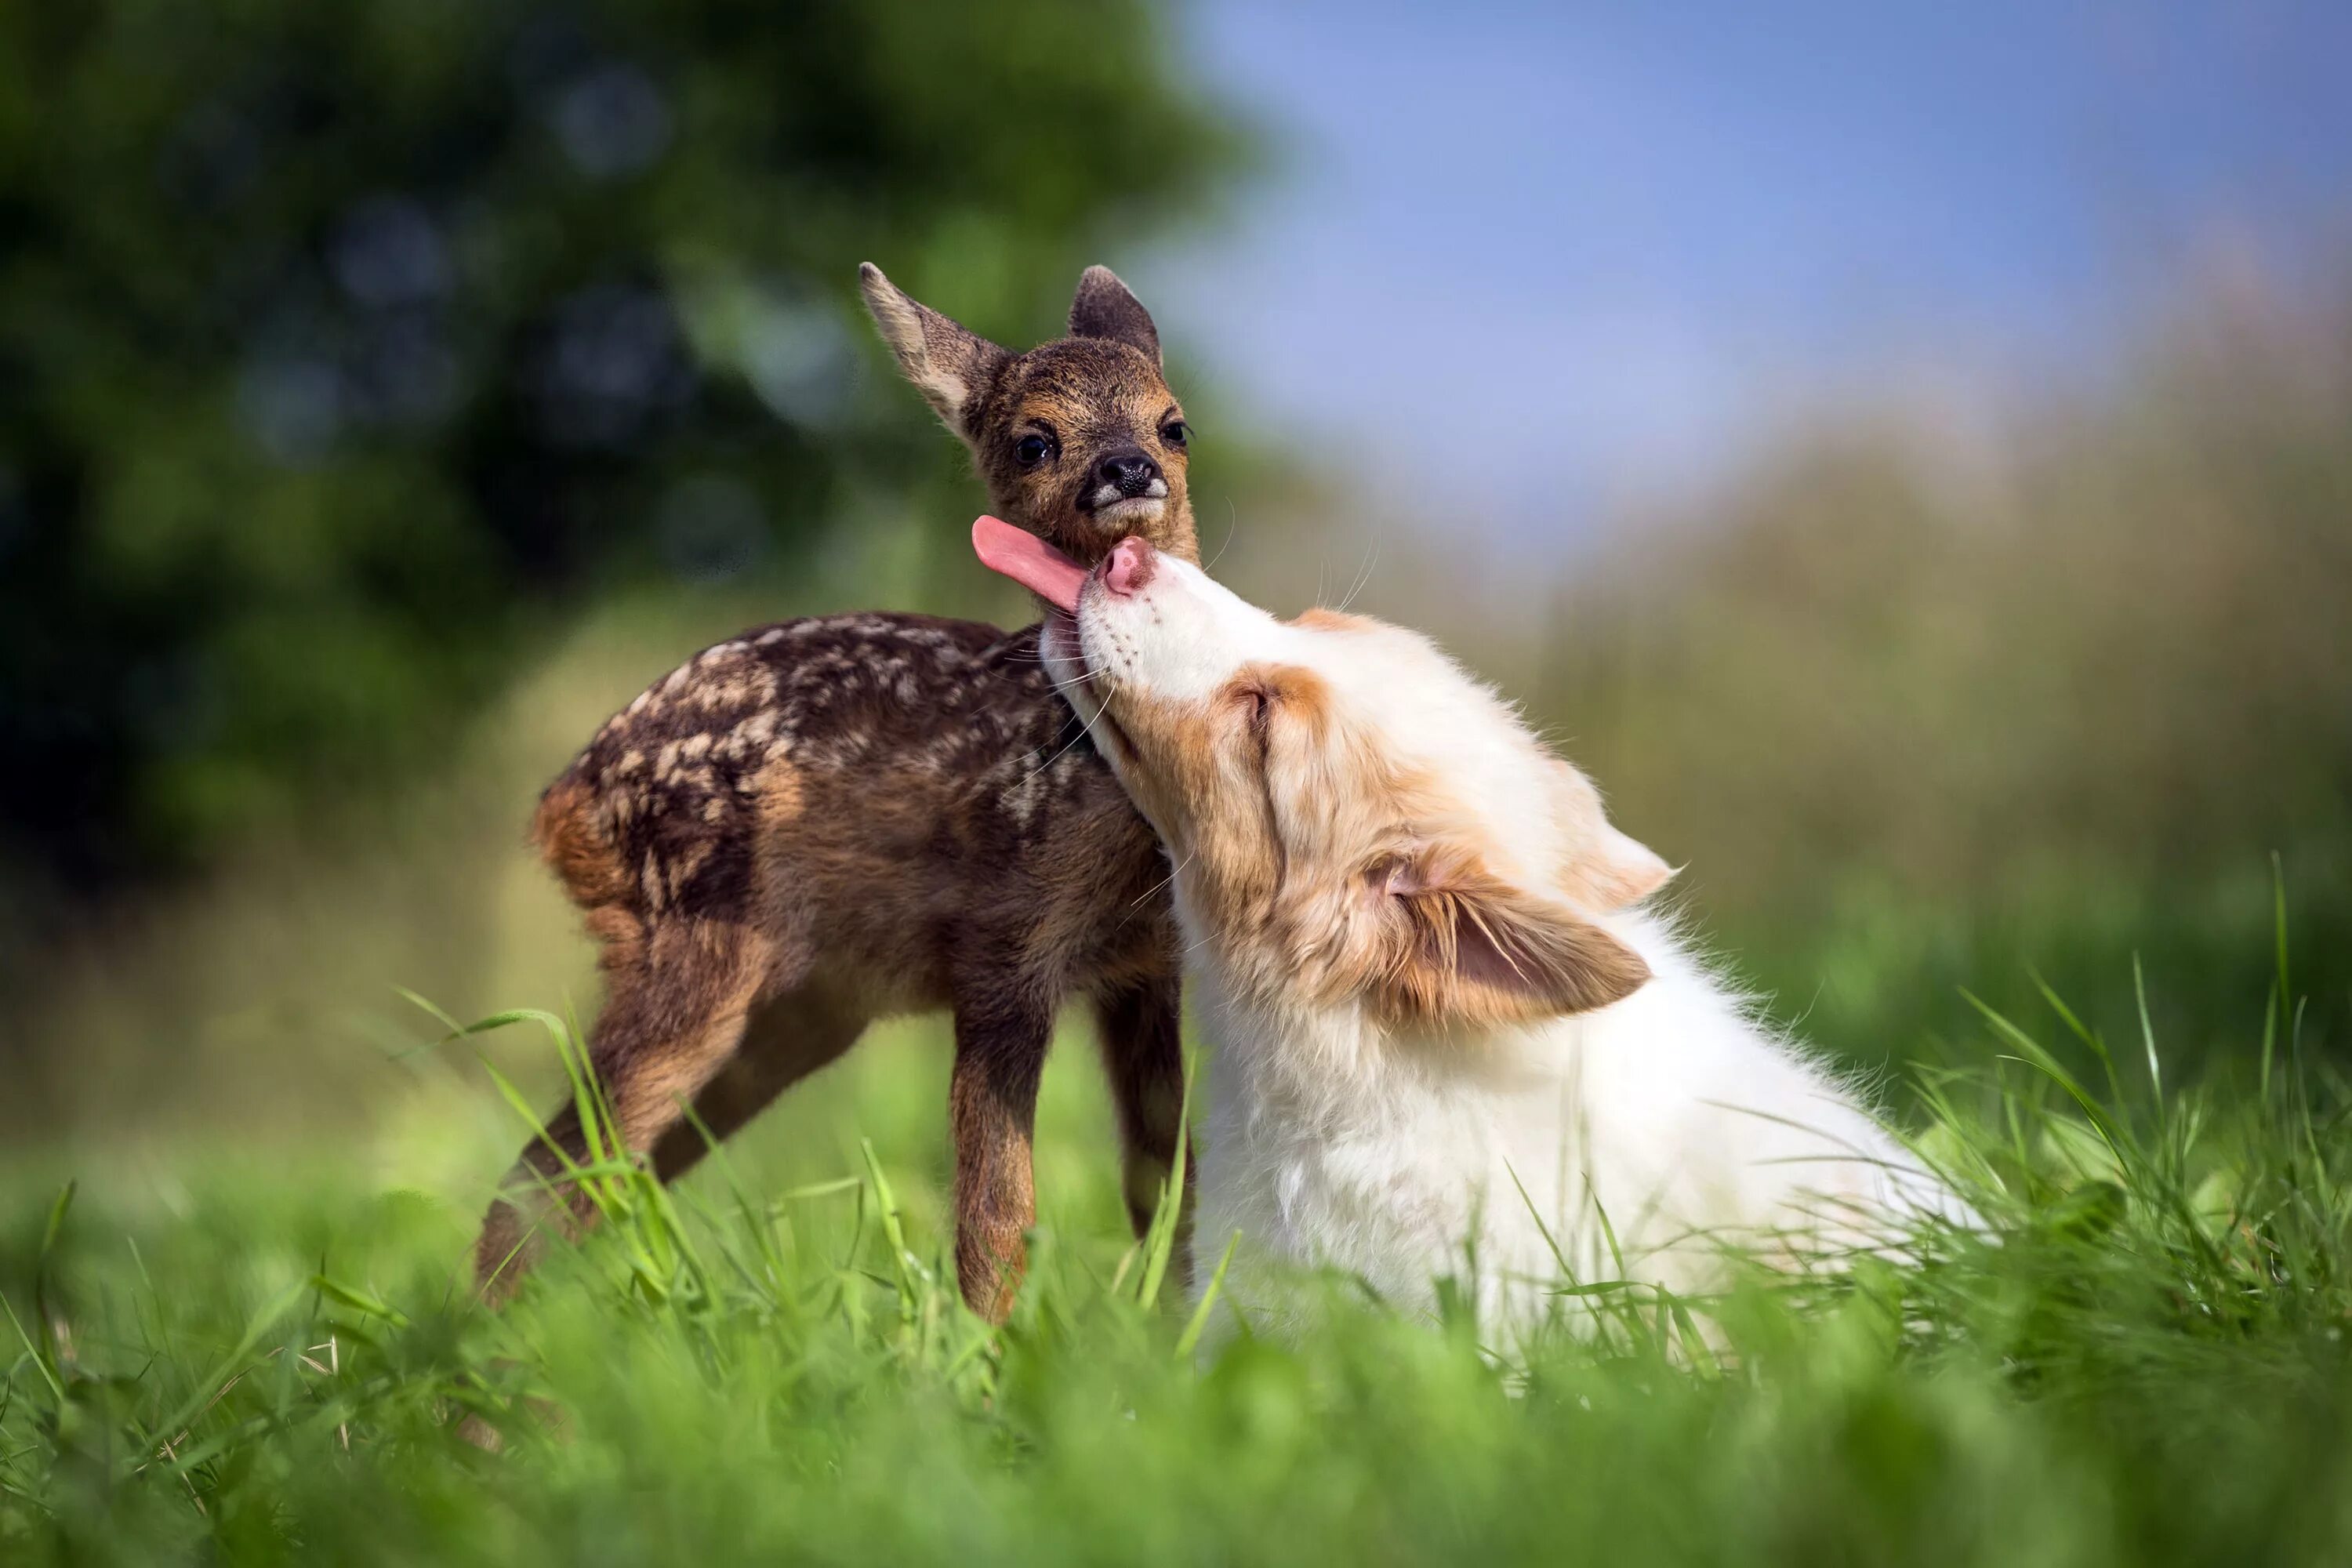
[(259, 1357)]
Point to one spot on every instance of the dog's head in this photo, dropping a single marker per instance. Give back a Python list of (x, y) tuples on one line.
[(1351, 816), (1079, 440)]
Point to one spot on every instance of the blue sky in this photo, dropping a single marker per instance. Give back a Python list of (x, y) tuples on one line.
[(1541, 260)]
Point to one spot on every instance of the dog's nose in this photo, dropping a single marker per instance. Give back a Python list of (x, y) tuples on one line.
[(1128, 567), (1129, 470)]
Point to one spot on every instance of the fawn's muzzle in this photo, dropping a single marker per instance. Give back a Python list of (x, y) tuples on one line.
[(1130, 473)]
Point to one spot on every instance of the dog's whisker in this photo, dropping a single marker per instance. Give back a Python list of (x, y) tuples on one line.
[(1363, 579), (1086, 731), (1174, 872), (1233, 519)]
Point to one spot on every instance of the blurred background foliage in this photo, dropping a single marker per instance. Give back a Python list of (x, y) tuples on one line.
[(388, 391), (349, 349), (1917, 720)]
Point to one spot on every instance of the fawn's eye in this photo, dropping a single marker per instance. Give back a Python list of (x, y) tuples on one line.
[(1175, 433), (1031, 450)]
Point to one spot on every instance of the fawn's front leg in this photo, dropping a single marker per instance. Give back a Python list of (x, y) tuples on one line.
[(1001, 1033)]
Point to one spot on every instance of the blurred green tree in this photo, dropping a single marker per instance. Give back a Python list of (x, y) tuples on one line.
[(342, 346)]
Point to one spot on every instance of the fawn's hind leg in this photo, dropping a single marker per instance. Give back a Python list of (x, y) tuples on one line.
[(787, 1039), (1001, 1031), (1139, 1029), (674, 1014)]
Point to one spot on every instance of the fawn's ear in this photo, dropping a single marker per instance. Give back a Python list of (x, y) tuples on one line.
[(949, 363), (1106, 308), (1466, 946)]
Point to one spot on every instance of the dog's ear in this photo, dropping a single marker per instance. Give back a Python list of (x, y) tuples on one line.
[(948, 363), (1606, 870), (1617, 870), (1464, 945), (1106, 308)]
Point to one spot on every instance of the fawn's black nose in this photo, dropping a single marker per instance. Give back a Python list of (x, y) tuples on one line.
[(1126, 470)]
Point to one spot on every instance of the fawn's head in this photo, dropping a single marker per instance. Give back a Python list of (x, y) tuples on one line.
[(1079, 440)]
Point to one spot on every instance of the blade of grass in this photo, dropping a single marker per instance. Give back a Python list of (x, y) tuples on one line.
[(1167, 1218), (33, 1352), (2117, 1138), (44, 1315), (902, 1262), (1190, 1339), (2092, 1040), (2147, 1038)]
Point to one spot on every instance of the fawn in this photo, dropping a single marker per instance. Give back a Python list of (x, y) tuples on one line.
[(826, 821)]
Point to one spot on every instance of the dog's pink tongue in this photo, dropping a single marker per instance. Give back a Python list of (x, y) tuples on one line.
[(1028, 560)]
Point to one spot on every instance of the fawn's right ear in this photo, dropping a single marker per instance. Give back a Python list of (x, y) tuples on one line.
[(1106, 308), (948, 363)]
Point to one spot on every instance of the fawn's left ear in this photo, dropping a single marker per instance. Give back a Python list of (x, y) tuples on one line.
[(1464, 945), (1106, 308)]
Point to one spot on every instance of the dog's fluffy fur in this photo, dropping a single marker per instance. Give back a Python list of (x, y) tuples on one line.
[(1446, 1026)]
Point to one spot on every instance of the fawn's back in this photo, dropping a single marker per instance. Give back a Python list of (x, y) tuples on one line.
[(886, 789)]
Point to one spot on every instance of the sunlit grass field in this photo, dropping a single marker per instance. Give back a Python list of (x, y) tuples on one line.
[(1912, 724), (266, 1354)]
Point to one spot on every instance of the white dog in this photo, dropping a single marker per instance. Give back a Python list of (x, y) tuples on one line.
[(1445, 1028)]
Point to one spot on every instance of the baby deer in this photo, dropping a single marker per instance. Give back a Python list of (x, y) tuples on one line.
[(823, 822)]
